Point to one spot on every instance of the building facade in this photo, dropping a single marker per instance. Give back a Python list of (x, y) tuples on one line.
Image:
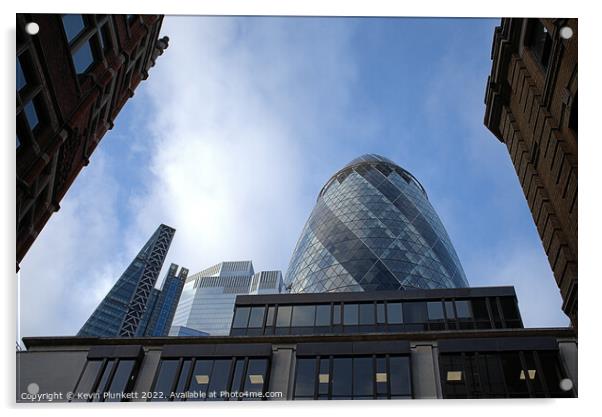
[(443, 343), (123, 310), (373, 228), (531, 107), (207, 301), (72, 79), (162, 304)]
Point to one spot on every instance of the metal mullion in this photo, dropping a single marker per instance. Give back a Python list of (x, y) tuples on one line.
[(231, 375), (539, 368), (523, 364)]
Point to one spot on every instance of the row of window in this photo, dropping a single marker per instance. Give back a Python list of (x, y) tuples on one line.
[(345, 378), (494, 312), (206, 379), (507, 374), (103, 380), (502, 375)]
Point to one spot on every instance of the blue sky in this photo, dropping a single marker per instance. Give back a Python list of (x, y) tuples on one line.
[(242, 121)]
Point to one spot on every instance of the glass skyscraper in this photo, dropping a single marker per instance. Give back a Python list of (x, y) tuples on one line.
[(207, 301), (120, 313), (373, 228), (162, 304)]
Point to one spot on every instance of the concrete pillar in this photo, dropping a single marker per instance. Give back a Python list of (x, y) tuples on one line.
[(281, 373), (425, 371)]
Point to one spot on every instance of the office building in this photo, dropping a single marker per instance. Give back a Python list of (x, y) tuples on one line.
[(72, 79), (122, 311), (440, 343), (161, 305), (373, 228), (531, 107), (207, 300)]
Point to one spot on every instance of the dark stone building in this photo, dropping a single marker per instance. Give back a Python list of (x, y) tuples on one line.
[(531, 107), (440, 343), (73, 78)]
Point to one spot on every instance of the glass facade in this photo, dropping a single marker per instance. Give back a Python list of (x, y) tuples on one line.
[(373, 228), (510, 374), (352, 377), (122, 311), (162, 304), (389, 316), (208, 297), (211, 379)]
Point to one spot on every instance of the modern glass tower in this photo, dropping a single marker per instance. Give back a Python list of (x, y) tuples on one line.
[(373, 228), (162, 304), (207, 301), (120, 313)]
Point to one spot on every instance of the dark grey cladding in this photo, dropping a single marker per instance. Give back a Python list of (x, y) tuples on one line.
[(373, 228)]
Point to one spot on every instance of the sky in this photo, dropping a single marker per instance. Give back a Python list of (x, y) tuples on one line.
[(243, 120)]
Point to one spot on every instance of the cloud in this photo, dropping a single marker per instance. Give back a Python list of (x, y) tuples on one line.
[(74, 261), (222, 146)]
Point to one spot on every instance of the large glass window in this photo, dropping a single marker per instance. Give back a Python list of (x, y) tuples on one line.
[(342, 376), (509, 374), (283, 319), (363, 377), (394, 313), (256, 378), (256, 317), (105, 380), (414, 312), (241, 317), (303, 316), (463, 309), (211, 379), (359, 377), (350, 314), (401, 381), (435, 310), (367, 314), (83, 58), (323, 315), (73, 25), (305, 378)]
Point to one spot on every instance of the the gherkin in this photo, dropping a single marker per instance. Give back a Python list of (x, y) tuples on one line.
[(373, 228)]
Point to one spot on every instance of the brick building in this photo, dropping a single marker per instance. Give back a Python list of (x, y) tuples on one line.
[(531, 107), (73, 78)]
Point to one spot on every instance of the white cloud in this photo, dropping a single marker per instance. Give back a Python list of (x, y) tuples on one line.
[(238, 114), (74, 260)]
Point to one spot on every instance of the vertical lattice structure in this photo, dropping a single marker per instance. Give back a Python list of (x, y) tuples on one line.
[(373, 228), (121, 311)]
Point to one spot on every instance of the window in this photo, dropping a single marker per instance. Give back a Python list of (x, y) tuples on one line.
[(463, 309), (414, 312), (89, 38), (21, 81), (350, 314), (105, 380), (435, 310), (540, 43), (367, 314), (303, 316), (83, 59), (73, 25), (304, 378), (256, 317), (394, 315), (359, 377), (323, 315), (211, 379), (380, 313), (508, 374), (241, 317), (284, 316)]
